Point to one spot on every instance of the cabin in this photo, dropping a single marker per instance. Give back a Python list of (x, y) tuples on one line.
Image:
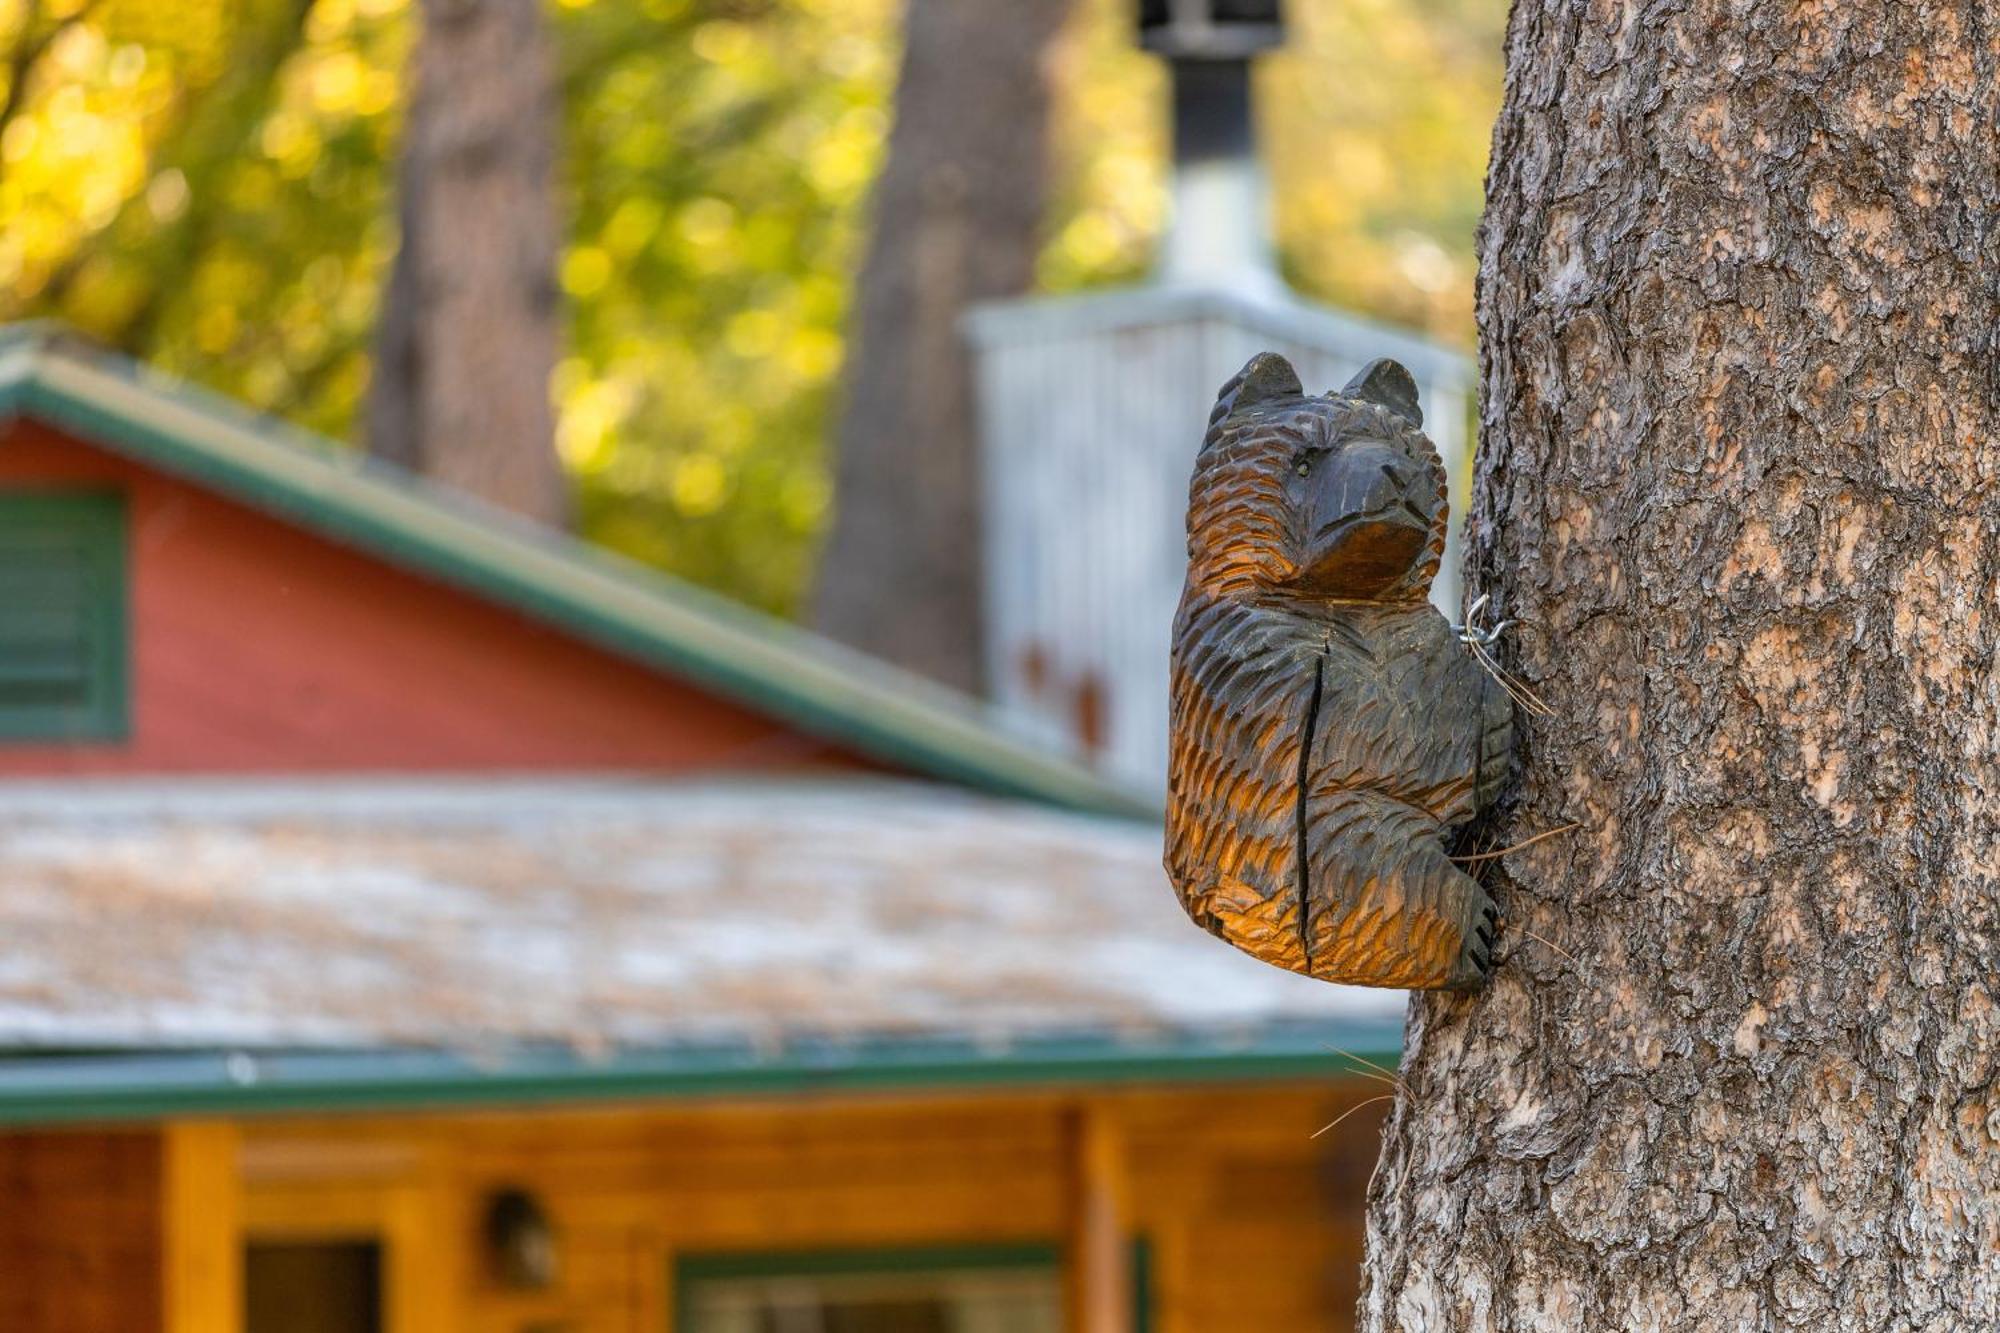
[(413, 921)]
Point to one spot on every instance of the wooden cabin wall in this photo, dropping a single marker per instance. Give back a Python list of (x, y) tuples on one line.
[(256, 646), (82, 1218), (130, 1230), (1251, 1224)]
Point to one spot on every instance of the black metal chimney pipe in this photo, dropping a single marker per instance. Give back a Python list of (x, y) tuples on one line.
[(1211, 110), (1208, 46), (1211, 29)]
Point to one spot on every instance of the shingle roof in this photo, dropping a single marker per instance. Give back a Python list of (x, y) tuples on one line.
[(809, 682), (599, 916)]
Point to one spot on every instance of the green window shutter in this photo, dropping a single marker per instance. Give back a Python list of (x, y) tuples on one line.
[(63, 673)]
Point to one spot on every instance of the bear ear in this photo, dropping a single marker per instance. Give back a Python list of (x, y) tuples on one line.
[(1266, 376), (1386, 384)]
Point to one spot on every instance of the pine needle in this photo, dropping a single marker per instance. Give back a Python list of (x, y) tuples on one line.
[(1570, 827), (1551, 945), (1512, 684), (1364, 1060), (1386, 1097), (1372, 1070), (1516, 690)]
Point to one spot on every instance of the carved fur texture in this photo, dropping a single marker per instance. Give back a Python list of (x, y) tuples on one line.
[(1328, 728)]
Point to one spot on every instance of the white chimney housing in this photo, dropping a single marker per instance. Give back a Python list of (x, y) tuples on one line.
[(1091, 409)]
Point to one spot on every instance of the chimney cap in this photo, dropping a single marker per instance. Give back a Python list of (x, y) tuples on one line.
[(1210, 29)]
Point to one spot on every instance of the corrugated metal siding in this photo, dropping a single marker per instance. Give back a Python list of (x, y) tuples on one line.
[(1090, 427)]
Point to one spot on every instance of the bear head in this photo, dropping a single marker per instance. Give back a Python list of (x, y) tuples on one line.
[(1336, 497)]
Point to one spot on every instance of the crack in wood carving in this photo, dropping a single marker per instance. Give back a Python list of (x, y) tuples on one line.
[(1303, 865)]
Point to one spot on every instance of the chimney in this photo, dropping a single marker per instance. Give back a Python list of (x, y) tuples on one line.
[(1220, 233), (1085, 544)]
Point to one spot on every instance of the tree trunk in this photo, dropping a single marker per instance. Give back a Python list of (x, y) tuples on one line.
[(957, 220), (469, 326), (1740, 281)]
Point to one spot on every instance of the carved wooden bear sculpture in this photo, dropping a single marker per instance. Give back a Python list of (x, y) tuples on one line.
[(1329, 728)]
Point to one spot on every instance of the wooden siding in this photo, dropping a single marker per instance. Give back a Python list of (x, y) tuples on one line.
[(259, 647), (119, 1231), (1251, 1224), (80, 1232)]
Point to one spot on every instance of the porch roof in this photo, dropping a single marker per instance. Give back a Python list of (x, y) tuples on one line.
[(296, 943)]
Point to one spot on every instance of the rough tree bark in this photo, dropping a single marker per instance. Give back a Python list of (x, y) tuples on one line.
[(470, 320), (1740, 281), (957, 220)]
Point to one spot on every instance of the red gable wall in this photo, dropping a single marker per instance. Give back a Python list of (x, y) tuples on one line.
[(256, 646)]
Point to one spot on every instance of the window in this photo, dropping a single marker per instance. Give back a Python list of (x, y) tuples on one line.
[(312, 1287), (1011, 1289), (62, 616)]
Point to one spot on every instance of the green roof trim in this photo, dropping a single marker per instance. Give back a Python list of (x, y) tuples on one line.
[(822, 688), (70, 1088)]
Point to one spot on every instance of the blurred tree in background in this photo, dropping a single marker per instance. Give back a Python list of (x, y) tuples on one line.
[(208, 185), (469, 328), (955, 220)]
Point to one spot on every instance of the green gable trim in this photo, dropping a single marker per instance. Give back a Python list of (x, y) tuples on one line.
[(63, 617), (67, 1088), (823, 689)]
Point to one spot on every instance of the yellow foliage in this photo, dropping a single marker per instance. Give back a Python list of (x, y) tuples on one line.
[(209, 184)]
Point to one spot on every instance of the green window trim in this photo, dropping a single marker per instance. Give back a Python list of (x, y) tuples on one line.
[(76, 658), (694, 1267)]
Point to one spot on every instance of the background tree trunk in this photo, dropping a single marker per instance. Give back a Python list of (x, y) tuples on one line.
[(469, 326), (957, 219), (1740, 286)]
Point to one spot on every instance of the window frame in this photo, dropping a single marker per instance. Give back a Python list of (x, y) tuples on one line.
[(377, 1247), (106, 717), (691, 1267)]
